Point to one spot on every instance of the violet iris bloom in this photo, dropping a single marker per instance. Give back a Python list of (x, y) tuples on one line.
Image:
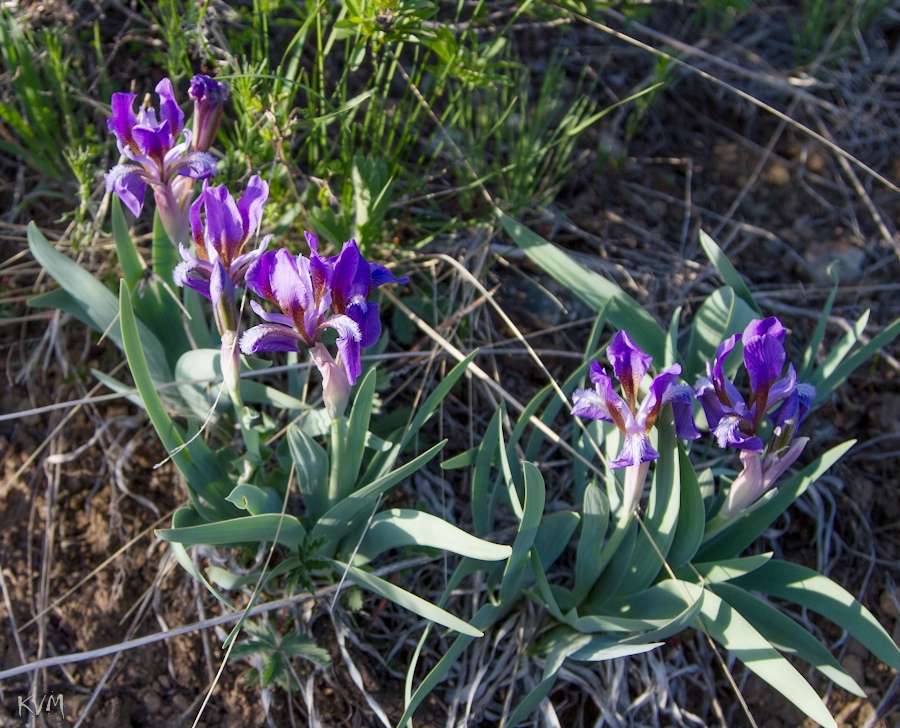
[(315, 294), (630, 365), (158, 159), (734, 420), (220, 236)]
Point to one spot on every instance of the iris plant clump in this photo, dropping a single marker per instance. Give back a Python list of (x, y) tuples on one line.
[(731, 419)]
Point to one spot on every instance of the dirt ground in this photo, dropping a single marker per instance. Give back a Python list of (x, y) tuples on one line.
[(80, 496)]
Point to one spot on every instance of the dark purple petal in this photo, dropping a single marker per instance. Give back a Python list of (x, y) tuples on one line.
[(123, 119), (169, 111), (597, 373), (716, 375), (806, 393), (127, 181), (368, 319), (272, 318), (767, 327), (270, 337), (629, 363), (381, 276), (663, 387), (351, 277), (603, 403), (783, 388), (259, 275), (153, 141), (764, 358)]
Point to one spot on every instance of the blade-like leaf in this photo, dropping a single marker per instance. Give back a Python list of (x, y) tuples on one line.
[(250, 529), (590, 287), (405, 599), (200, 468), (129, 258), (401, 527), (311, 469), (340, 517), (724, 570), (594, 522), (728, 272), (661, 520), (812, 590), (786, 635), (729, 628), (357, 429), (514, 573), (691, 515), (90, 302)]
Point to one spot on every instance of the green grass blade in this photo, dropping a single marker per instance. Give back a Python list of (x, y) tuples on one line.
[(839, 374), (311, 468), (357, 429), (195, 461), (594, 522), (661, 519), (514, 573), (129, 257), (691, 515), (90, 301)]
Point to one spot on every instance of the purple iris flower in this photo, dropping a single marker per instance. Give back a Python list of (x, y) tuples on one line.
[(630, 365), (220, 235), (159, 159), (315, 294), (734, 421)]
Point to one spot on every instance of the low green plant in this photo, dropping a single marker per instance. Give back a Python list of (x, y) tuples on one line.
[(612, 582)]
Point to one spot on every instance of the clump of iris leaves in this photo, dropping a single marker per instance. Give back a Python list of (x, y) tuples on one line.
[(364, 107)]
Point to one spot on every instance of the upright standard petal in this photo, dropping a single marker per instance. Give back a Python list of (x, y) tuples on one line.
[(123, 120), (629, 363), (251, 204), (169, 110)]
